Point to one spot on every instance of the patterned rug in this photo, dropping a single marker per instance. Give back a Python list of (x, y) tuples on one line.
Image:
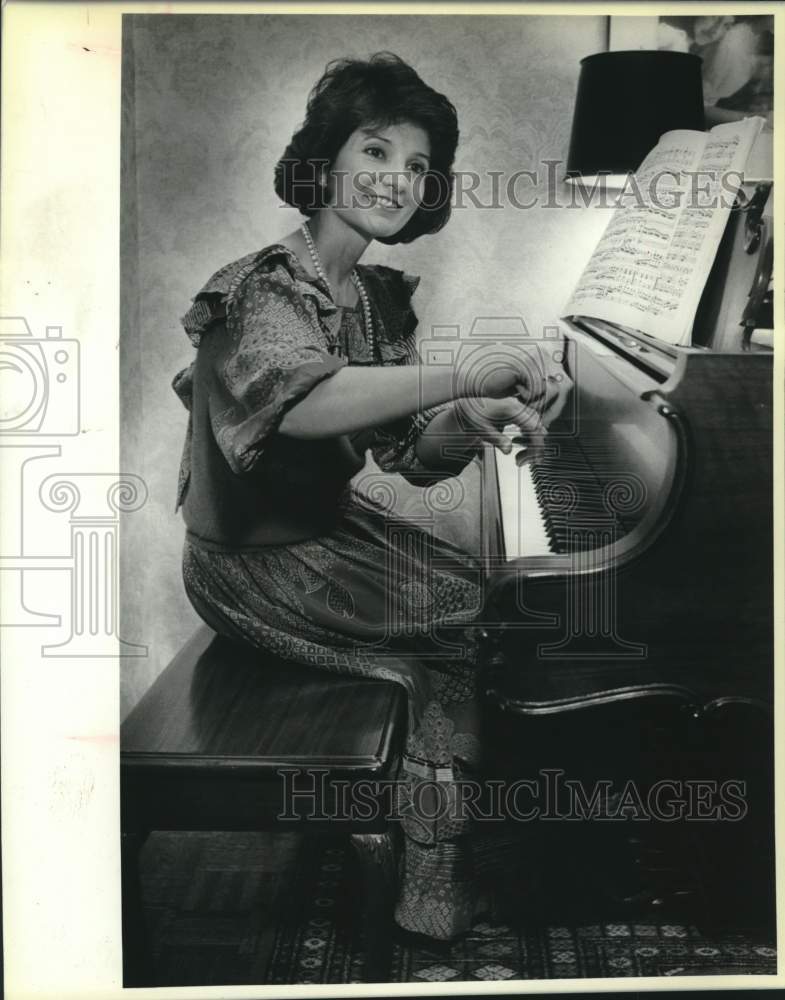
[(234, 909)]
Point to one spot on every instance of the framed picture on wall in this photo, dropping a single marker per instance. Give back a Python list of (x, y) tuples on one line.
[(737, 53)]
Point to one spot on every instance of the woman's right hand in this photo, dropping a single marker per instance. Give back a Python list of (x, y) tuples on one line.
[(498, 370)]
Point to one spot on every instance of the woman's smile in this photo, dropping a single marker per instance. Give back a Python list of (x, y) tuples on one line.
[(381, 201)]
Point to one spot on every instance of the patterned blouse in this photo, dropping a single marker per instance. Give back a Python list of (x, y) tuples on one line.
[(266, 333)]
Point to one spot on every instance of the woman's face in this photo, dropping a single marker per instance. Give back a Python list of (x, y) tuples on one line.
[(376, 182)]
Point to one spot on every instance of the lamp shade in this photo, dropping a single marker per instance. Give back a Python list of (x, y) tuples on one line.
[(625, 101)]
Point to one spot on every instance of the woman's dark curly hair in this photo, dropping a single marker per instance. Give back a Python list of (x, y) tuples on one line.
[(356, 94)]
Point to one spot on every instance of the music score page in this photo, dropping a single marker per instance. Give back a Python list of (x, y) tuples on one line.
[(650, 267)]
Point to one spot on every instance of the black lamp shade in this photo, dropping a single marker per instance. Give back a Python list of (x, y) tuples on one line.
[(625, 101)]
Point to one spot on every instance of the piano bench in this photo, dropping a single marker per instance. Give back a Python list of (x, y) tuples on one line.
[(228, 738)]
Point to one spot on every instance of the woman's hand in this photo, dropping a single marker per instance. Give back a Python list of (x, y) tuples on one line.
[(540, 386), (486, 417), (497, 370), (484, 420)]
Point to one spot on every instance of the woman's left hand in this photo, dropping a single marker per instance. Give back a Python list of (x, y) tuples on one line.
[(485, 418)]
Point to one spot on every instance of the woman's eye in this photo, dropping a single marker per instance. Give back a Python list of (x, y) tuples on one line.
[(374, 150), (417, 167)]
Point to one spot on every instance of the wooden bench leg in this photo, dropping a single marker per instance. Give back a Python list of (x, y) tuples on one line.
[(137, 960), (376, 856)]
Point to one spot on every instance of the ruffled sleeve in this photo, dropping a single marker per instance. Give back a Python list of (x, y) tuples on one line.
[(272, 355)]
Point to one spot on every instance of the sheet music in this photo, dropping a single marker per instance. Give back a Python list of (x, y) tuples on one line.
[(652, 262)]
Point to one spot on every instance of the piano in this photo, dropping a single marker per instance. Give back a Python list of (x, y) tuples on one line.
[(628, 624)]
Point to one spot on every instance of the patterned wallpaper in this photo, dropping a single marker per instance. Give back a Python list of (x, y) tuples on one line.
[(209, 103)]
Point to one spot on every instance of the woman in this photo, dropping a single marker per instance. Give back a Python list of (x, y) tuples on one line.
[(305, 360)]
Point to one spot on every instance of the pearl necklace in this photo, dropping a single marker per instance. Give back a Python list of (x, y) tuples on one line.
[(356, 280)]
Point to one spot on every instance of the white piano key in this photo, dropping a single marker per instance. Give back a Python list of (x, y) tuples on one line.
[(523, 522)]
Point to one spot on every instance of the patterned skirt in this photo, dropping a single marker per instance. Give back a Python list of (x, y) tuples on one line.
[(378, 597)]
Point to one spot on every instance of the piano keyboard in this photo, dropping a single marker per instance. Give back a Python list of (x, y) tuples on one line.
[(554, 504)]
